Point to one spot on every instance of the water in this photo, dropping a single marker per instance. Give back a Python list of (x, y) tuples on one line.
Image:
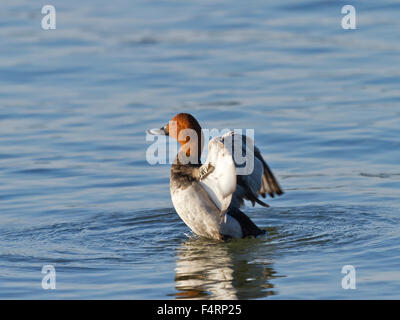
[(77, 193)]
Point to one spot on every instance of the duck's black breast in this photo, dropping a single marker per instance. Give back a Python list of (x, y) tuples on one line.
[(183, 175)]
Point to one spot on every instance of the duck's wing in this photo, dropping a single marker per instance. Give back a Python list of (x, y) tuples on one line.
[(254, 178), (217, 175)]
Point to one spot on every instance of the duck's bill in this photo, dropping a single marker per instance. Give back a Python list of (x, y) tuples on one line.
[(162, 131)]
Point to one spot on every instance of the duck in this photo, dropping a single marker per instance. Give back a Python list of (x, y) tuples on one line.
[(208, 197)]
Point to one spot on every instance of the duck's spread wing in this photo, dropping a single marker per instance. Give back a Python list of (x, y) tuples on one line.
[(254, 176), (218, 174)]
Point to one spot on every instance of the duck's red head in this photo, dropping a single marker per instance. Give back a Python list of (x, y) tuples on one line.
[(187, 131)]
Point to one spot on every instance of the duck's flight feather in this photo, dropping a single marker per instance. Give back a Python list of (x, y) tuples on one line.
[(257, 179)]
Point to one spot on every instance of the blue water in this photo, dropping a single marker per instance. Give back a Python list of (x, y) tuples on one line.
[(76, 191)]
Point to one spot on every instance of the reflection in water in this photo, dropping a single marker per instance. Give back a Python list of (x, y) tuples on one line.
[(208, 269)]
